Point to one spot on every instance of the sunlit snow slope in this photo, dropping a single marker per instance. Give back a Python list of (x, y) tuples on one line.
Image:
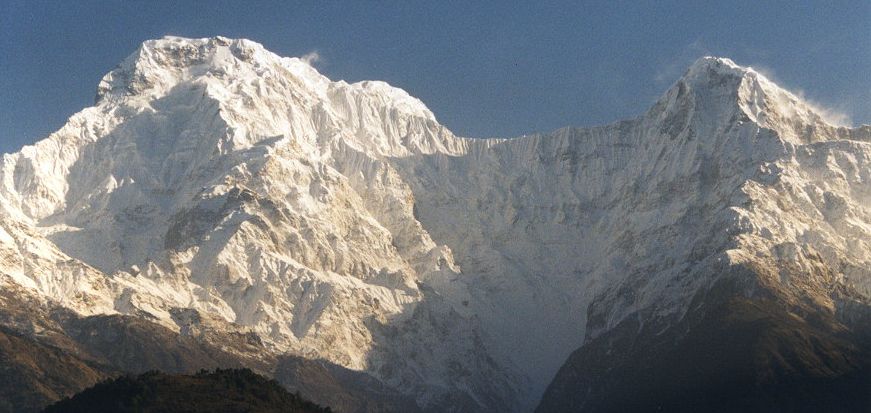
[(342, 221)]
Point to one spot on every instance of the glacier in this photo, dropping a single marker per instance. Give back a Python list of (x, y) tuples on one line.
[(342, 222)]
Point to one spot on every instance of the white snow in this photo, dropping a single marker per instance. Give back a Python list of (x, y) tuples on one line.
[(342, 221)]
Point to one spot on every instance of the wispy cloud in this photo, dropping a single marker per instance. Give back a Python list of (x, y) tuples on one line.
[(669, 71), (837, 116), (833, 116), (312, 57)]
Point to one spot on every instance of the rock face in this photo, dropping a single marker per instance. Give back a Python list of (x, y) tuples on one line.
[(218, 190), (730, 353), (47, 353)]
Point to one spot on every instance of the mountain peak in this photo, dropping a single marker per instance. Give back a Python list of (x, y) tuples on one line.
[(235, 196), (718, 90), (159, 64), (712, 66), (235, 66)]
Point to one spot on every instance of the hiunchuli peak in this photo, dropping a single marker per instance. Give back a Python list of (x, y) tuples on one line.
[(722, 93)]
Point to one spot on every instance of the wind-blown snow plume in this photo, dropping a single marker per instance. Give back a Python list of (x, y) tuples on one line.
[(342, 221)]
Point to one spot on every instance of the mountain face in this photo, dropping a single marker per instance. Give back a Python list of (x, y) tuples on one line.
[(235, 198), (47, 353)]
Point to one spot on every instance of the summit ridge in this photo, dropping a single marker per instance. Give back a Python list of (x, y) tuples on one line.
[(219, 190)]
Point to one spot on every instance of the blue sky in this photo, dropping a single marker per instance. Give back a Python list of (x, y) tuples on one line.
[(485, 69)]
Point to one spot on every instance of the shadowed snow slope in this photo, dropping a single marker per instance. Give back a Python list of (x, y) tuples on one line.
[(341, 221)]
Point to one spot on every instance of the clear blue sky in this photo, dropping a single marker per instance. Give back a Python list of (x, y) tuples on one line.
[(485, 69)]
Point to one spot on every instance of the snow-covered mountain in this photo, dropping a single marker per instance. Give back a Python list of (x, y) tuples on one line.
[(217, 187)]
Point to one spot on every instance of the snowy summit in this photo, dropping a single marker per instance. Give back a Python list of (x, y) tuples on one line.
[(217, 187)]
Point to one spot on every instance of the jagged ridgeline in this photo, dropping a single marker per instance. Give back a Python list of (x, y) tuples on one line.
[(243, 204)]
